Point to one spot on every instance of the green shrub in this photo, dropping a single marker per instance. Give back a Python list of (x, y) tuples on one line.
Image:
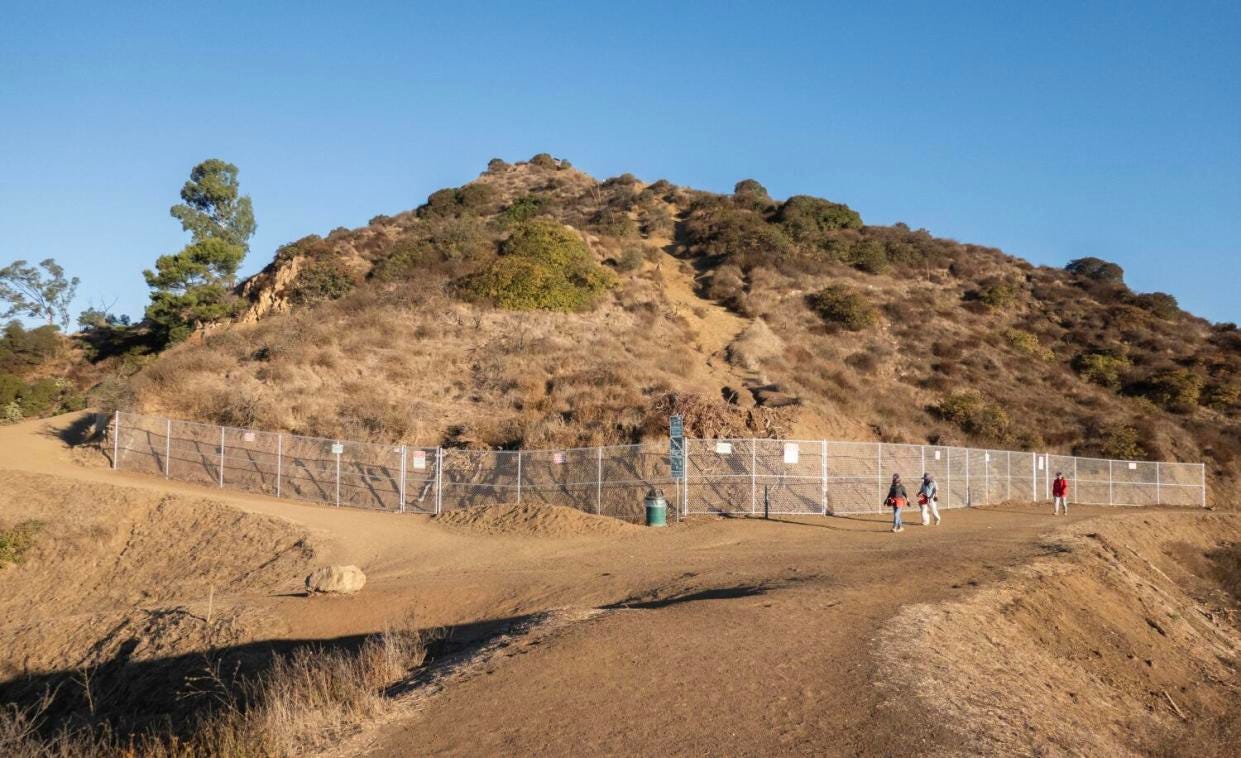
[(523, 209), (22, 348), (631, 257), (543, 266), (406, 257), (807, 220), (838, 304), (10, 388), (1101, 368), (15, 542), (1177, 390), (472, 198), (543, 160), (1221, 396), (40, 397), (1097, 270), (496, 165), (996, 295), (975, 415), (1121, 441), (320, 281), (1027, 343), (1160, 304), (868, 256), (741, 237)]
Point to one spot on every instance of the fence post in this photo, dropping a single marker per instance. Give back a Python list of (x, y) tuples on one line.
[(986, 477), (337, 475), (167, 447), (279, 460), (221, 456), (519, 477), (116, 438), (1008, 475), (1075, 478), (599, 481), (1202, 468), (753, 476), (948, 478), (1158, 494), (1109, 482), (968, 500), (823, 456), (879, 475), (439, 480), (403, 449), (1034, 477), (922, 452), (685, 472)]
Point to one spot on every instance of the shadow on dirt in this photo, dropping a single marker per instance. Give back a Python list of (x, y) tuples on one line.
[(170, 696), (719, 593)]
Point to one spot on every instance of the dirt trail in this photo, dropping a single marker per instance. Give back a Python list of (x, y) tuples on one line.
[(718, 636), (713, 326)]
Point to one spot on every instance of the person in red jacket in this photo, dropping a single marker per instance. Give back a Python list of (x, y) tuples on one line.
[(1060, 494)]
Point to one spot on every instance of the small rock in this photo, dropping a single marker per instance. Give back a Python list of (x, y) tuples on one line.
[(340, 579)]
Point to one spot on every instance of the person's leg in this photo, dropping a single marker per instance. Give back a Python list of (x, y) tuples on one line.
[(926, 519), (896, 519), (934, 509)]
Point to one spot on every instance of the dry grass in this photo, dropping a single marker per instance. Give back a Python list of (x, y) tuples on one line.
[(302, 702)]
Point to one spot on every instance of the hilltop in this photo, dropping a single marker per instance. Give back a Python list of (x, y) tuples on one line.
[(538, 306)]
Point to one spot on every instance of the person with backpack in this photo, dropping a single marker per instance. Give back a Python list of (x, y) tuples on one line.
[(928, 499), (1060, 494), (897, 499)]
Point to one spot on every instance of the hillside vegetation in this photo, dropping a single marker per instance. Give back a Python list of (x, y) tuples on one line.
[(538, 306)]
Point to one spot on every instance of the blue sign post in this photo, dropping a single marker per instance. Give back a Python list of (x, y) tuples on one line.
[(676, 447)]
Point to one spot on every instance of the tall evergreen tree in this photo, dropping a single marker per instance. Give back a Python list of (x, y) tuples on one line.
[(194, 286)]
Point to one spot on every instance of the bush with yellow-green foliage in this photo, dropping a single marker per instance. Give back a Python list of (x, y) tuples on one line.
[(1121, 441), (16, 541), (975, 415), (840, 304), (542, 266), (1027, 343), (1101, 368), (1177, 390)]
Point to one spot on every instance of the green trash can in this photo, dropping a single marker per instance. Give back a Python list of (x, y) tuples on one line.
[(656, 508)]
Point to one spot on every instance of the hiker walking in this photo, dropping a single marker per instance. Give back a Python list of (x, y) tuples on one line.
[(1060, 494), (928, 499), (897, 499)]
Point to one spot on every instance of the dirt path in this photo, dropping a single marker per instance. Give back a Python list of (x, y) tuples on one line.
[(719, 636), (713, 326)]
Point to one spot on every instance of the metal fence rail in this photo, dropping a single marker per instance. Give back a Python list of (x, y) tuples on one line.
[(723, 476)]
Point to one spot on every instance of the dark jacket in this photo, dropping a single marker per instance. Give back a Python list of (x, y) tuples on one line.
[(895, 491)]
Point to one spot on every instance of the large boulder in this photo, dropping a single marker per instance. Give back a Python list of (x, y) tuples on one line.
[(339, 579)]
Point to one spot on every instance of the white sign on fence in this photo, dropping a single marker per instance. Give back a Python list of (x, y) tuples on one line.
[(936, 455), (1133, 466), (558, 458), (1042, 459), (337, 448), (248, 436), (792, 453), (724, 448), (420, 460)]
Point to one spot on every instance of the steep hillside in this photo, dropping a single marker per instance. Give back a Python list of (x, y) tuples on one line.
[(538, 306)]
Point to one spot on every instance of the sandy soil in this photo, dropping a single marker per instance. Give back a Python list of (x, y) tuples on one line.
[(718, 636)]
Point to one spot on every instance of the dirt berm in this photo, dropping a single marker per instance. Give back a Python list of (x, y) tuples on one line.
[(1121, 641)]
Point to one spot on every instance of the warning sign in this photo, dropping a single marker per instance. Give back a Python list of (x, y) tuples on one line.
[(558, 458), (338, 448), (248, 436), (792, 453), (723, 448), (420, 460)]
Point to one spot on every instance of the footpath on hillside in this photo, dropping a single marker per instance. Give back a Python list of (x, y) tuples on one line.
[(718, 636)]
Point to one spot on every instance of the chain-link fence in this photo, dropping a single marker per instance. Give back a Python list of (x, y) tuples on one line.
[(723, 476)]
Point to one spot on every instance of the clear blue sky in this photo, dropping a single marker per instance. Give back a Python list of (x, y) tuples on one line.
[(1051, 130)]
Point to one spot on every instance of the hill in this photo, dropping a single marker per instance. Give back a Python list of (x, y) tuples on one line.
[(537, 306)]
